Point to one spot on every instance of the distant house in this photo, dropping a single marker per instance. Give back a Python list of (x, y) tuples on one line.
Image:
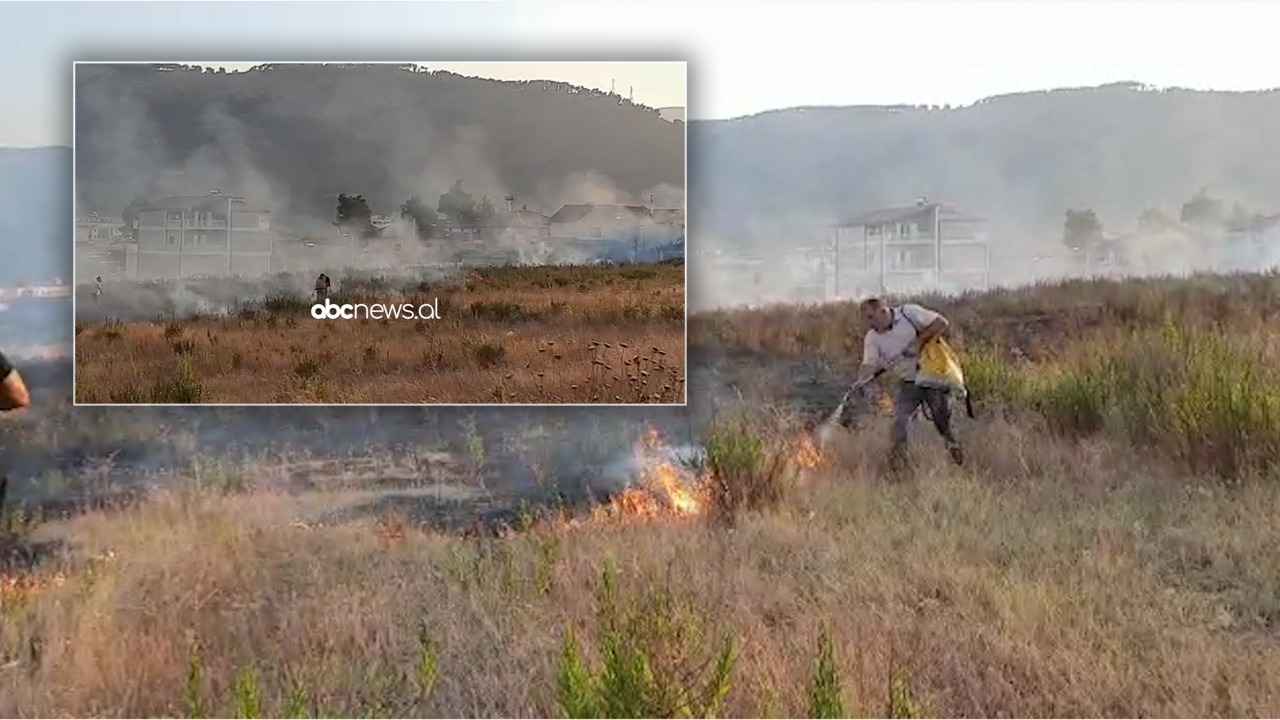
[(600, 222), (616, 231), (1246, 245), (667, 228), (1250, 245), (190, 235), (1172, 248), (911, 248), (760, 276), (96, 228), (99, 249), (523, 225)]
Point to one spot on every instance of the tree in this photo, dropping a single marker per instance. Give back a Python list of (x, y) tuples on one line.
[(353, 215), (1081, 229), (460, 206), (130, 217), (1154, 219), (1203, 209), (485, 211), (423, 216)]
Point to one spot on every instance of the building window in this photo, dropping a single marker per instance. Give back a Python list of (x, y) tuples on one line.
[(171, 239)]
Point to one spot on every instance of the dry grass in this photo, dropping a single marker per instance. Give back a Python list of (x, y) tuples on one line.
[(1052, 579), (518, 335), (1074, 567)]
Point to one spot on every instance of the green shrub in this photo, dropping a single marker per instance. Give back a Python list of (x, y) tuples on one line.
[(657, 659), (750, 469), (825, 699), (1209, 401)]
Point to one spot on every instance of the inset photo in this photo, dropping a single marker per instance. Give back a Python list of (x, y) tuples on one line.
[(470, 233)]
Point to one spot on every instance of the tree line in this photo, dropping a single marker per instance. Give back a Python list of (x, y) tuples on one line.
[(354, 215), (1083, 228)]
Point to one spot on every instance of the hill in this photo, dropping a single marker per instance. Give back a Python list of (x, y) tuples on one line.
[(35, 214), (1022, 160), (294, 136)]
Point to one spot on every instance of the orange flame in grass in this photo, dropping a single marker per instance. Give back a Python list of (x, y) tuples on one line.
[(804, 452), (663, 488), (18, 588)]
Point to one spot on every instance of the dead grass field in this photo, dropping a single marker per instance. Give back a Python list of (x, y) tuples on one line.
[(506, 335), (1108, 550)]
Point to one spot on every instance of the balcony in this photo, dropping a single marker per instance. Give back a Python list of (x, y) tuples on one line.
[(190, 225)]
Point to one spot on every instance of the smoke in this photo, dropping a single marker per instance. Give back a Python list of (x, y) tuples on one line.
[(792, 261), (151, 134), (139, 163), (767, 185)]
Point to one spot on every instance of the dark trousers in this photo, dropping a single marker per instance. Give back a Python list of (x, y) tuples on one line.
[(909, 398)]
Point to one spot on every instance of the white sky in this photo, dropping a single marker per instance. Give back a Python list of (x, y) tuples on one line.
[(744, 56), (747, 57)]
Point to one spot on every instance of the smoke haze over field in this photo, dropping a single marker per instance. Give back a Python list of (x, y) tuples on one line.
[(290, 138), (768, 184)]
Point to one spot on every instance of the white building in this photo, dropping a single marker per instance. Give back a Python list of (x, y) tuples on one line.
[(200, 235)]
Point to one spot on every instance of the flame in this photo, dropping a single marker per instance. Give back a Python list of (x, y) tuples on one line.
[(662, 489), (884, 403), (18, 588), (804, 453)]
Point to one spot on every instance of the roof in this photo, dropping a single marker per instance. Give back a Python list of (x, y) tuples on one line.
[(883, 216), (520, 218), (97, 220), (189, 202), (574, 213), (668, 216), (1258, 223)]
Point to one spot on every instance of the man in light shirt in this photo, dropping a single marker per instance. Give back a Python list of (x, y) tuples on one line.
[(13, 391), (894, 339), (13, 396)]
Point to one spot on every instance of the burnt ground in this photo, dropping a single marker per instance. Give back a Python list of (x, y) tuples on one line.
[(63, 460), (806, 389)]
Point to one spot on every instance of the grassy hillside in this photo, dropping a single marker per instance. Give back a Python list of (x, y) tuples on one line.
[(1108, 550)]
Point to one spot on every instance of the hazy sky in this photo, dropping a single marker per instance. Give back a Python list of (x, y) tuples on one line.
[(745, 57)]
